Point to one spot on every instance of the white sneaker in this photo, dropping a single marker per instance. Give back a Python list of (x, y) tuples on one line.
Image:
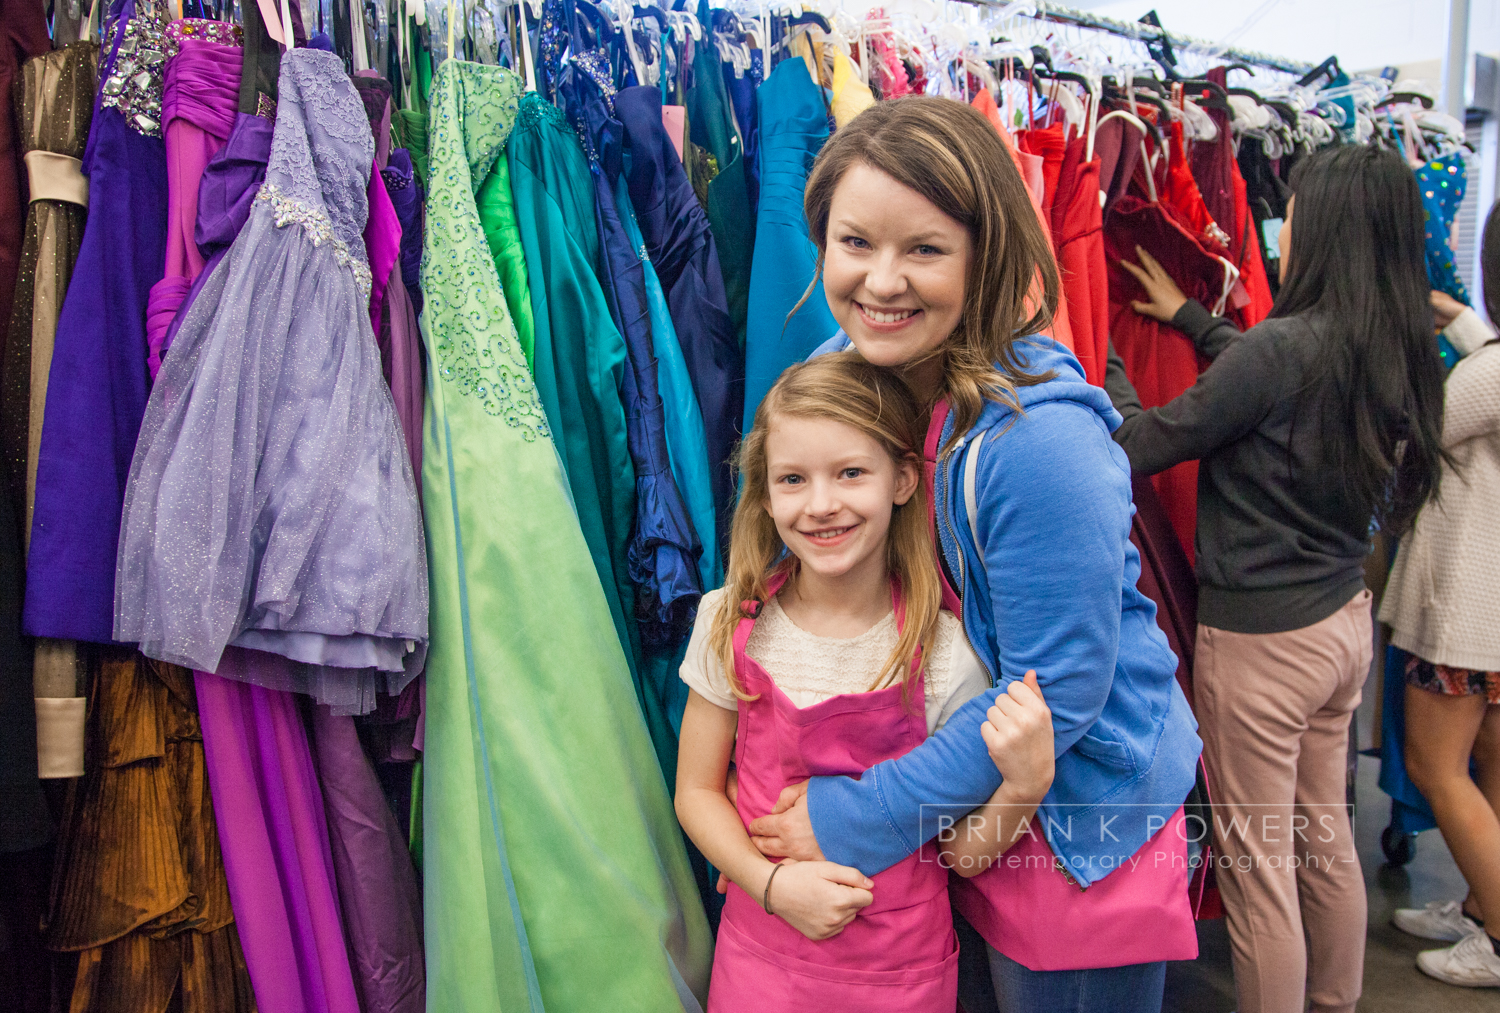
[(1470, 962), (1443, 921)]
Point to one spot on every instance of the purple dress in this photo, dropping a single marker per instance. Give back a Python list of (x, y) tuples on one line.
[(326, 896), (271, 504), (96, 391)]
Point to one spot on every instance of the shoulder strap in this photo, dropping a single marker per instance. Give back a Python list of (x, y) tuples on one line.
[(971, 504)]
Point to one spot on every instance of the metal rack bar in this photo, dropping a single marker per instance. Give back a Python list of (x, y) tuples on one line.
[(1136, 30)]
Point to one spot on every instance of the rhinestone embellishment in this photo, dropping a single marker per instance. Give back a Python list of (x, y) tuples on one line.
[(134, 85), (319, 228)]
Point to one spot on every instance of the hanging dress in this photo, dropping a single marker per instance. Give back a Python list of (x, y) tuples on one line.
[(54, 108), (681, 246), (580, 357), (275, 377), (663, 545), (96, 390), (554, 871), (795, 128), (55, 101), (1160, 360), (278, 862), (139, 891), (197, 112)]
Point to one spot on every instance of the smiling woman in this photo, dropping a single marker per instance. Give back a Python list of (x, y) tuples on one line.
[(894, 268)]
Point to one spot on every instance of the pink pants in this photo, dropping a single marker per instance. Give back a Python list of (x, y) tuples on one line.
[(1274, 715)]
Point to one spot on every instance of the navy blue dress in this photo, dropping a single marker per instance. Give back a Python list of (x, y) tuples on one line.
[(682, 249), (664, 546)]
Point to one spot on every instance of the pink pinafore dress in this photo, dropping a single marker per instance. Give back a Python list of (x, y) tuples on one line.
[(900, 953)]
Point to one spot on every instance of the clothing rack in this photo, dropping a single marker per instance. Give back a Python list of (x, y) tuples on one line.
[(1151, 33)]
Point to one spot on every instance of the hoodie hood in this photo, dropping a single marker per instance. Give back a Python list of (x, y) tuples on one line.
[(1036, 354), (1040, 354)]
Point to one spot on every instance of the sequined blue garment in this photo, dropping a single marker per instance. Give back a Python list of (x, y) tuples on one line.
[(1442, 182)]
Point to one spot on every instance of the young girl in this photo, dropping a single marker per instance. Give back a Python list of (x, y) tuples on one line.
[(824, 653), (935, 266)]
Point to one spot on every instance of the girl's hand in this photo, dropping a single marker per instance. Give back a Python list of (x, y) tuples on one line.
[(1445, 308), (1018, 733), (1163, 296), (819, 898)]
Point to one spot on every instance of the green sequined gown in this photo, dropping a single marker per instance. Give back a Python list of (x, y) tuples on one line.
[(554, 871)]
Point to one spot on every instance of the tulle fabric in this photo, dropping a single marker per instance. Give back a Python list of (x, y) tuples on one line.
[(271, 504)]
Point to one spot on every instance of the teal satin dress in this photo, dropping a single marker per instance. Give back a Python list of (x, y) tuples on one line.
[(580, 357)]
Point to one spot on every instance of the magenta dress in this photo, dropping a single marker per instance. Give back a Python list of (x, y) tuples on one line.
[(197, 113)]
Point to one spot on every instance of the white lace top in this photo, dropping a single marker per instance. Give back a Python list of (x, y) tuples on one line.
[(810, 669)]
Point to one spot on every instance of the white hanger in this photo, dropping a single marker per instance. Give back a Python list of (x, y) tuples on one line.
[(625, 12), (526, 49)]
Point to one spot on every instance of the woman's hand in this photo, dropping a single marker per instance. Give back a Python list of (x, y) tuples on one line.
[(788, 831), (819, 898), (1445, 308), (1163, 296), (1018, 734)]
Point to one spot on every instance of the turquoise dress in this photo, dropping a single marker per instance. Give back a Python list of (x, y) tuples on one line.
[(554, 871), (580, 356), (794, 127)]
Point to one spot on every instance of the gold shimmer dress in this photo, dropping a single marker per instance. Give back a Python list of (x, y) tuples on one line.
[(138, 891)]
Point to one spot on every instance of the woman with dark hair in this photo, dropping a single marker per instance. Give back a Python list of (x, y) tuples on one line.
[(1441, 603), (1313, 428)]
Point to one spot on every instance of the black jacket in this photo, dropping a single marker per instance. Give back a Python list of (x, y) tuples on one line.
[(1279, 545)]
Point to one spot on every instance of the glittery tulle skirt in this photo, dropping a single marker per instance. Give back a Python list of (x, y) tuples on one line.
[(270, 503)]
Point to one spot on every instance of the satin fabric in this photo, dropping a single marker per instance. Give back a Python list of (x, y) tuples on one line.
[(686, 443), (497, 216), (785, 263), (97, 386), (682, 247), (198, 111), (580, 357), (900, 954), (554, 872), (1078, 238), (277, 860), (663, 545)]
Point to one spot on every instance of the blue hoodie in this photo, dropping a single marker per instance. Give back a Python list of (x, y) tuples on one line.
[(1055, 590)]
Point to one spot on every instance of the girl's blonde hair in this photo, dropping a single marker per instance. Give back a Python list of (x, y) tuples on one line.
[(845, 388), (951, 155)]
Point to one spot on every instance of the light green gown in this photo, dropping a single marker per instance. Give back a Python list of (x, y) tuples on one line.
[(554, 871)]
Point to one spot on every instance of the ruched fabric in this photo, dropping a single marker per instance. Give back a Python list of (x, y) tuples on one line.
[(198, 112)]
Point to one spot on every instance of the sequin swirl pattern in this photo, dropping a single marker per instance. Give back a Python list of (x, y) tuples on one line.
[(473, 337), (319, 228)]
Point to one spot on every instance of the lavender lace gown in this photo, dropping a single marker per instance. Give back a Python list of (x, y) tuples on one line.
[(271, 504)]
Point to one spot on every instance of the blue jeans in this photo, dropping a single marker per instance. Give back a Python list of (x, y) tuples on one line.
[(1135, 988)]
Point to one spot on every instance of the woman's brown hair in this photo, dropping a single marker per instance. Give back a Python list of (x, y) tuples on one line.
[(951, 155), (845, 388)]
